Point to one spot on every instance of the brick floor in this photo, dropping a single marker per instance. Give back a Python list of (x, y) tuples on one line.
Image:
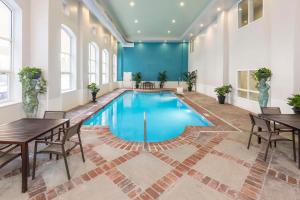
[(109, 173)]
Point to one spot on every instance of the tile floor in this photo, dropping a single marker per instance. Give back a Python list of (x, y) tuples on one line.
[(201, 164)]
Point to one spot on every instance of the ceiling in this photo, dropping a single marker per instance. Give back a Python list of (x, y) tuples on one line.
[(160, 20)]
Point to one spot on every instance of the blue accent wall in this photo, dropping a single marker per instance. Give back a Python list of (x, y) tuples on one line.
[(152, 58)]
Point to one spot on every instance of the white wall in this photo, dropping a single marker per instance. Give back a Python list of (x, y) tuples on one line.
[(223, 48), (40, 42)]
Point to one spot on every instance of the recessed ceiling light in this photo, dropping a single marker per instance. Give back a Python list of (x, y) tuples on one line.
[(201, 25), (181, 3), (139, 31), (169, 31), (136, 21), (219, 9), (173, 21), (191, 34), (132, 3)]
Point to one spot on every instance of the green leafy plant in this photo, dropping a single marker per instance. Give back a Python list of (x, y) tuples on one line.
[(137, 77), (94, 90), (33, 84), (190, 78), (294, 101), (162, 78), (262, 73), (223, 90)]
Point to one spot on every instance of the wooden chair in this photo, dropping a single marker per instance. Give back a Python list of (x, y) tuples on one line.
[(275, 111), (7, 154), (52, 115), (265, 132), (60, 147)]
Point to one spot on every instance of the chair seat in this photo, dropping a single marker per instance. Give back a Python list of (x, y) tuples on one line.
[(274, 137), (57, 148), (6, 157)]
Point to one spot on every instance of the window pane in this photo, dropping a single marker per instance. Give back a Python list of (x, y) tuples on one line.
[(65, 63), (243, 80), (253, 82), (5, 21), (3, 87), (92, 67), (65, 81), (65, 42), (258, 9), (92, 78), (92, 52), (242, 94), (253, 96), (5, 55), (104, 79), (243, 13)]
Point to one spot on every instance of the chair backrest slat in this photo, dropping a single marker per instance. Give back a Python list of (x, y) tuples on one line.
[(71, 131), (54, 115), (270, 110), (260, 123)]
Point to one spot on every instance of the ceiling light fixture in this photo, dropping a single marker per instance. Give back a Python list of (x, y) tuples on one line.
[(191, 34), (136, 21), (173, 21), (219, 9), (139, 31), (132, 3), (169, 32), (201, 25), (181, 4)]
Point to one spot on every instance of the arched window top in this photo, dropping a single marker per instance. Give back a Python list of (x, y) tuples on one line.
[(94, 46)]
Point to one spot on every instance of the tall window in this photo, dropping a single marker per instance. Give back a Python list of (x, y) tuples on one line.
[(5, 51), (67, 55), (249, 11), (105, 66), (93, 63), (247, 85), (115, 68)]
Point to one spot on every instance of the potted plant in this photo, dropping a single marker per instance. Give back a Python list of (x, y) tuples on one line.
[(94, 90), (222, 92), (137, 77), (162, 78), (262, 76), (33, 84), (190, 78), (295, 102)]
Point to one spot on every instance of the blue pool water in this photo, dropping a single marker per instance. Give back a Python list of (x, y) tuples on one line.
[(167, 116)]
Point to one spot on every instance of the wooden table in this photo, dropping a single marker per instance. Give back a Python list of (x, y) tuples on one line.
[(25, 130), (289, 120)]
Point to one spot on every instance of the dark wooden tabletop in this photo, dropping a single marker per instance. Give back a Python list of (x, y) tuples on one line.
[(27, 129), (290, 120)]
